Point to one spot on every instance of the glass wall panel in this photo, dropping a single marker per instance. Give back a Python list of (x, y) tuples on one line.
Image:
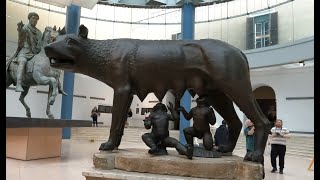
[(231, 9), (14, 14), (237, 7), (23, 1), (156, 32), (122, 30), (33, 3), (201, 13), (58, 9), (139, 15), (173, 15), (264, 4), (56, 19), (104, 30), (250, 5), (139, 31), (91, 25), (89, 13), (157, 16), (224, 10), (272, 2), (257, 4), (215, 30), (122, 14), (201, 31), (106, 12), (243, 6), (172, 29), (217, 11), (211, 12), (293, 22)]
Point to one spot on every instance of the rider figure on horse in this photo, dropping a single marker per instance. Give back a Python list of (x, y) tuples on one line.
[(29, 44)]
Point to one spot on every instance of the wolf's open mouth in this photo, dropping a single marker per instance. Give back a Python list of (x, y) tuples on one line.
[(58, 61)]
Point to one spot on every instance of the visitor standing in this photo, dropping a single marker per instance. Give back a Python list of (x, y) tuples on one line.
[(278, 141), (94, 116)]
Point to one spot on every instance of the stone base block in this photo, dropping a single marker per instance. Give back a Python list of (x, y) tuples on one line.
[(138, 160), (33, 143), (116, 174)]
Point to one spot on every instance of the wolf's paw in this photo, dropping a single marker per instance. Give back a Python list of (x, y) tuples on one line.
[(107, 146)]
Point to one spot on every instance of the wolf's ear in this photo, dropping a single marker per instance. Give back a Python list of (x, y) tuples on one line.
[(62, 31), (54, 28), (83, 31)]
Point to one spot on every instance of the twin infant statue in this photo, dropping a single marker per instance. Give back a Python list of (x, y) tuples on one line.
[(158, 139)]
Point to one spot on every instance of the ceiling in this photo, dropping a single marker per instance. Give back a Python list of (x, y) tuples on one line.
[(159, 3)]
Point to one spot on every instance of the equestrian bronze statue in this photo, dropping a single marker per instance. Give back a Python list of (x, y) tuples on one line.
[(31, 67)]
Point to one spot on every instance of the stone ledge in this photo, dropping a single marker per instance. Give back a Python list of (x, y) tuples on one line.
[(115, 174), (138, 160), (23, 122)]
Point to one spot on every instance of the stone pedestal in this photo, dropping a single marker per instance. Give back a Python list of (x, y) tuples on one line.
[(125, 162), (36, 138), (33, 143)]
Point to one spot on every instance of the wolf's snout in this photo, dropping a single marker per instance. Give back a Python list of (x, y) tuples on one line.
[(47, 50)]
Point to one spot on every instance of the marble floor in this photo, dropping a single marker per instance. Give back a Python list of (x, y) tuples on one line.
[(77, 157)]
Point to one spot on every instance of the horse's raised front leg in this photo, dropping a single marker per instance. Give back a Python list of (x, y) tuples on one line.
[(121, 103), (44, 80), (48, 104), (60, 90), (21, 99)]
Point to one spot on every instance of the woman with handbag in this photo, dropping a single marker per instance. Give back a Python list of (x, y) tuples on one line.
[(94, 116)]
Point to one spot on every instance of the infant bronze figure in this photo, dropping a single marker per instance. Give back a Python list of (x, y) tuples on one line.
[(159, 138)]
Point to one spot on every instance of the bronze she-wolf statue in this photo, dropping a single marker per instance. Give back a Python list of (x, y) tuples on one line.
[(209, 67)]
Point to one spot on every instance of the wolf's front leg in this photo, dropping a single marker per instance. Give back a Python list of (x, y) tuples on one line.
[(121, 103)]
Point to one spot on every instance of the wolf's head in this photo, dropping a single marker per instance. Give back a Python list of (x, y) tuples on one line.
[(67, 49)]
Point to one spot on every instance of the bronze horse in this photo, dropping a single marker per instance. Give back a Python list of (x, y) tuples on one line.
[(39, 73), (207, 67)]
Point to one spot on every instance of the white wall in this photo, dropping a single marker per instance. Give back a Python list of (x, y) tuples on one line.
[(297, 115), (36, 101), (89, 87)]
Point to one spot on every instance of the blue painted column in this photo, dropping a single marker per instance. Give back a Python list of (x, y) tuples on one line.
[(72, 25), (187, 33)]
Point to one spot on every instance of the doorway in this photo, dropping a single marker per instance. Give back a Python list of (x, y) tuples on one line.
[(266, 98)]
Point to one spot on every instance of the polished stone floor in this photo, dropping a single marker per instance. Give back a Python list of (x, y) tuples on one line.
[(77, 157)]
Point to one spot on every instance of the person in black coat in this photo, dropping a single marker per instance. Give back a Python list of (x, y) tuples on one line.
[(222, 134), (94, 116)]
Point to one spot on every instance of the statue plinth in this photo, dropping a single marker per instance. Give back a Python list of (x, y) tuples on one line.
[(36, 138), (133, 163)]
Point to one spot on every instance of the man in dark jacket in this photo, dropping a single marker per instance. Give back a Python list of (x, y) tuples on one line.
[(222, 134)]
